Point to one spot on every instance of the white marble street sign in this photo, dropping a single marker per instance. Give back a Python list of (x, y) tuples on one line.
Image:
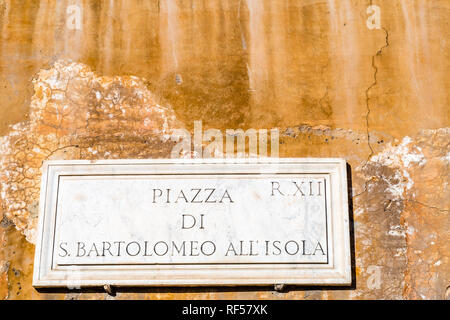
[(193, 222)]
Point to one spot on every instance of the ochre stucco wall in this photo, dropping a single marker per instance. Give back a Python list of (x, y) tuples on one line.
[(135, 70)]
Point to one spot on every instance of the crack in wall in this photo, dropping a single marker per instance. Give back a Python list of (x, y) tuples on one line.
[(374, 83)]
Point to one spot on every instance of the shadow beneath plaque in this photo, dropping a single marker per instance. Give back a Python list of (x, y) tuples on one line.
[(235, 289)]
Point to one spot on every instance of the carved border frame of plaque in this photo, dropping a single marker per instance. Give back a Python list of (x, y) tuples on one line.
[(336, 272)]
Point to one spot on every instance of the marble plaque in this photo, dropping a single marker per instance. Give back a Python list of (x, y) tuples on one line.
[(193, 222)]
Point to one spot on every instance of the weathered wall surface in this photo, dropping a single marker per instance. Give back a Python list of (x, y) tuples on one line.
[(115, 86)]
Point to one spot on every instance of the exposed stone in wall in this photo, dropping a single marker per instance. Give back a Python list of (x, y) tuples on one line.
[(77, 115), (378, 98)]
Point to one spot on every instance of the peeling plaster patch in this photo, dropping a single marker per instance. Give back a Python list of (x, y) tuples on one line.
[(76, 114), (400, 252), (5, 222), (402, 155), (410, 230), (401, 182), (322, 130), (4, 268), (358, 212), (442, 131)]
